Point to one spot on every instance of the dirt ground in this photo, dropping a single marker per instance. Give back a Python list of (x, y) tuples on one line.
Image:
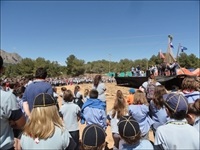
[(110, 96)]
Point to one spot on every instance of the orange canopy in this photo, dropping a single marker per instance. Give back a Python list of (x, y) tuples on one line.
[(187, 72)]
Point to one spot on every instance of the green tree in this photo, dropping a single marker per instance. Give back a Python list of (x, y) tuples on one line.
[(54, 69), (75, 67), (154, 60), (11, 70), (194, 61), (25, 67), (125, 65)]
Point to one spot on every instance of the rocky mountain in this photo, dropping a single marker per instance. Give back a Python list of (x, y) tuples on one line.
[(10, 58)]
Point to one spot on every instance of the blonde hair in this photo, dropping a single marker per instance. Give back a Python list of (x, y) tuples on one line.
[(42, 122), (120, 106), (140, 98)]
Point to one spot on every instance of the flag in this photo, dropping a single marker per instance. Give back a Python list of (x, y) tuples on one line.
[(171, 45), (162, 55), (183, 48)]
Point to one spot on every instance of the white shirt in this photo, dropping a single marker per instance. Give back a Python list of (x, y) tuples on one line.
[(70, 113), (177, 135)]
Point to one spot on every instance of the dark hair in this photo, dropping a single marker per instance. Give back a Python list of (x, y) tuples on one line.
[(54, 89), (76, 89), (180, 115), (19, 91), (68, 96), (131, 140), (174, 88), (97, 79), (1, 62), (194, 108), (63, 88), (41, 73), (160, 90), (93, 94)]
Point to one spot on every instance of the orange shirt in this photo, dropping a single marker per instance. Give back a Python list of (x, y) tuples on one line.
[(130, 99)]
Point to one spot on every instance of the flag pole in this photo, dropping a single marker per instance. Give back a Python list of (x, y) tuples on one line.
[(178, 51), (160, 53), (179, 46), (169, 51)]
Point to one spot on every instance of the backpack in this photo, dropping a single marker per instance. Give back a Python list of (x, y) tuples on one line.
[(150, 90)]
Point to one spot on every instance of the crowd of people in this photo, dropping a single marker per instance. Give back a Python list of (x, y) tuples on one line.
[(32, 119), (163, 69)]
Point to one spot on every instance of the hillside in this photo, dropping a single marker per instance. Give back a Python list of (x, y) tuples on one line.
[(10, 58)]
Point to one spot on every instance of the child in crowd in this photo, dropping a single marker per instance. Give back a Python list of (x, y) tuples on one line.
[(45, 129), (119, 109), (100, 87), (189, 89), (157, 109), (130, 133), (130, 97), (93, 110), (11, 116), (193, 115), (63, 89), (19, 93), (17, 132), (78, 96), (86, 95), (139, 110), (93, 138), (70, 113), (149, 87), (55, 95), (176, 133)]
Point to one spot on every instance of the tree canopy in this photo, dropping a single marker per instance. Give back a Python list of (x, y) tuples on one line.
[(75, 67)]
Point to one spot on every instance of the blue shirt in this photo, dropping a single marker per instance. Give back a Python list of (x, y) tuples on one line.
[(192, 97), (159, 116), (93, 112), (141, 114), (9, 110), (35, 88), (141, 145)]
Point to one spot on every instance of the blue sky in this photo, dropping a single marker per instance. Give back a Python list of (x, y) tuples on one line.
[(96, 30)]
